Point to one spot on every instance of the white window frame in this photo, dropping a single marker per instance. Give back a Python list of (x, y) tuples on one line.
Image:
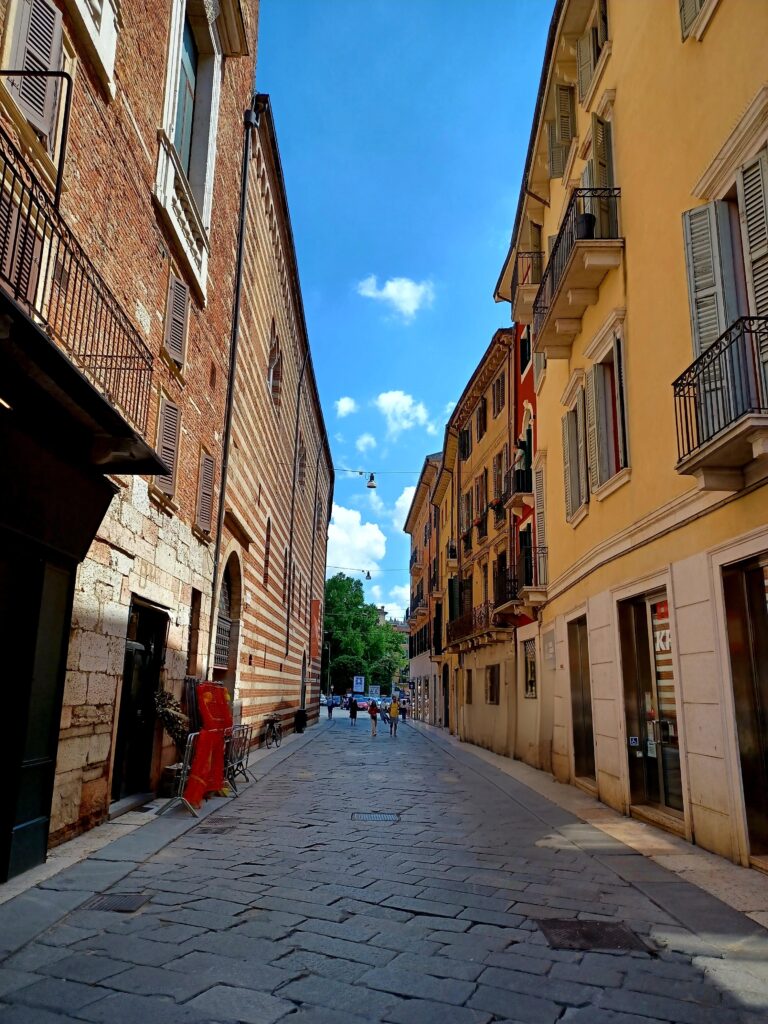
[(98, 23), (186, 202)]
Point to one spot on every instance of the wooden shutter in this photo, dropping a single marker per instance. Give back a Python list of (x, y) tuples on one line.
[(753, 204), (168, 443), (620, 397), (584, 62), (538, 503), (37, 47), (539, 365), (565, 115), (567, 470), (711, 281), (601, 160), (176, 318), (581, 435), (557, 152), (689, 9), (20, 252), (593, 439), (205, 493)]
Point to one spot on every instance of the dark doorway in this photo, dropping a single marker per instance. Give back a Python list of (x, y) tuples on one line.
[(746, 606), (137, 725), (446, 699), (581, 699), (649, 703)]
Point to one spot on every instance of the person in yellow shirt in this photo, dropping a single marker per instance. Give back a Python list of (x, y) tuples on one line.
[(394, 714)]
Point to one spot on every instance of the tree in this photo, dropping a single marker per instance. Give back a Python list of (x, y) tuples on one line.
[(359, 644)]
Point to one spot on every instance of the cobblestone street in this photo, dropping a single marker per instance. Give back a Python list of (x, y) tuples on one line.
[(281, 905)]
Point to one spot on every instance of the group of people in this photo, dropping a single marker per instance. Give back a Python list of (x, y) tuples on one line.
[(390, 714)]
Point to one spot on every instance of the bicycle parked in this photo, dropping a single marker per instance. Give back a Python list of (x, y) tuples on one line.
[(274, 733)]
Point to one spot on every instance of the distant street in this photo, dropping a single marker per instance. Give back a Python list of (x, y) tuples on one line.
[(283, 904)]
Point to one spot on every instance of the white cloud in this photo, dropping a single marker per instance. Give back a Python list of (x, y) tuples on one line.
[(406, 297), (402, 412), (345, 406), (376, 503), (448, 408), (376, 594), (402, 505), (353, 543), (338, 437), (398, 602), (365, 442)]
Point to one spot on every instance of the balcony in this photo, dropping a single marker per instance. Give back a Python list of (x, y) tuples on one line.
[(451, 555), (419, 609), (721, 410), (481, 522), (70, 310), (518, 488), (476, 627), (506, 590), (466, 540), (526, 278), (417, 561), (434, 582), (532, 569), (496, 505), (586, 248)]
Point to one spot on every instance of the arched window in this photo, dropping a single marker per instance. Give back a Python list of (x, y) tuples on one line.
[(224, 622), (274, 367), (302, 472), (267, 542)]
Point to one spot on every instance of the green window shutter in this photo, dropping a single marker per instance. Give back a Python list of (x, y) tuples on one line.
[(711, 281), (565, 115), (538, 502), (557, 153), (581, 438), (620, 397), (37, 47), (205, 493), (753, 204), (176, 319), (168, 444), (567, 473), (584, 62)]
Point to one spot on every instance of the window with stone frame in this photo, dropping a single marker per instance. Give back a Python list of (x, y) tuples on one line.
[(492, 684)]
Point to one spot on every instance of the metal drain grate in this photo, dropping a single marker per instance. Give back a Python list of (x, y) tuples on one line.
[(591, 935), (118, 903), (374, 816), (215, 830)]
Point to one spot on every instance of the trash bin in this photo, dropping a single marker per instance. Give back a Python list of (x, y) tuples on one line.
[(300, 720)]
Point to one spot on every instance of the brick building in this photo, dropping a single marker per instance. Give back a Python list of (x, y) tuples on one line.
[(117, 306)]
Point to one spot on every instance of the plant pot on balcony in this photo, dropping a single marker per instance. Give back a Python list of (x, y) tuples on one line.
[(585, 225)]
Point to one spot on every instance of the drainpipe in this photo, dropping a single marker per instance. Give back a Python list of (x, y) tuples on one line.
[(293, 501), (250, 124)]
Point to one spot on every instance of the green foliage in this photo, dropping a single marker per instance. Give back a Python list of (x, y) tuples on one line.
[(359, 645)]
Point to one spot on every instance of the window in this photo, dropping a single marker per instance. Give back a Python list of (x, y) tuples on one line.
[(37, 46), (169, 422), (498, 474), (525, 350), (606, 417), (193, 640), (465, 444), (302, 466), (99, 21), (539, 368), (689, 14), (468, 687), (274, 368), (529, 667), (176, 320), (538, 507), (204, 516), (590, 46), (187, 88), (575, 457), (499, 394), (267, 545), (561, 130), (481, 418), (492, 676)]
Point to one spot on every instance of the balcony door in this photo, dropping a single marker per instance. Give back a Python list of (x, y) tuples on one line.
[(581, 699), (746, 604)]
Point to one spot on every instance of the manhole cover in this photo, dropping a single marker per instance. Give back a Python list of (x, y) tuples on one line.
[(119, 903), (374, 816), (591, 935)]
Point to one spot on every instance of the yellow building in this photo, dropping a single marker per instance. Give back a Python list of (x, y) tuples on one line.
[(639, 255)]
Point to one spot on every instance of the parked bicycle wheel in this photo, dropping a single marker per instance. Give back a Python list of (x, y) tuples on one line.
[(270, 737), (278, 735)]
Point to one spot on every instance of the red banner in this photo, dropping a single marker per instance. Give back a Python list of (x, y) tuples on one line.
[(316, 629)]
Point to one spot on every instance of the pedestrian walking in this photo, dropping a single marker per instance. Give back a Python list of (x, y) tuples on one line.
[(394, 712), (402, 711), (330, 707), (373, 711), (384, 713), (352, 712)]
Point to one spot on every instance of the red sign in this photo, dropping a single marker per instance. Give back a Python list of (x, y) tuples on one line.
[(315, 629)]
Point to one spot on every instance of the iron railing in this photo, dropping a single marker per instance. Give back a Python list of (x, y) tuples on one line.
[(518, 481), (223, 636), (527, 270), (47, 273), (417, 604), (506, 587), (591, 213), (471, 623), (499, 512), (533, 567), (415, 558), (728, 381), (482, 526), (467, 540), (434, 582)]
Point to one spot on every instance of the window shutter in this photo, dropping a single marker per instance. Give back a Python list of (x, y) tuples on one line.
[(557, 153), (205, 493), (711, 283), (602, 168), (37, 47), (581, 435), (168, 443), (593, 438), (565, 115), (176, 318), (539, 365), (602, 22), (20, 251), (584, 62), (567, 473), (753, 202), (688, 12), (620, 395), (538, 501)]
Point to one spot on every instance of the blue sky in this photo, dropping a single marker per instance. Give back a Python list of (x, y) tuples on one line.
[(403, 128)]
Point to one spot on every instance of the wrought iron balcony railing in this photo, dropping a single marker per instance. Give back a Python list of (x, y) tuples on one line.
[(592, 213), (527, 270), (45, 270), (467, 542), (518, 481), (482, 526), (506, 587), (532, 567), (415, 558), (434, 582), (728, 381), (471, 623)]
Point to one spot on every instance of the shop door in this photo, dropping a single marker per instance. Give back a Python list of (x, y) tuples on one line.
[(581, 699), (137, 725), (650, 705), (746, 604)]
